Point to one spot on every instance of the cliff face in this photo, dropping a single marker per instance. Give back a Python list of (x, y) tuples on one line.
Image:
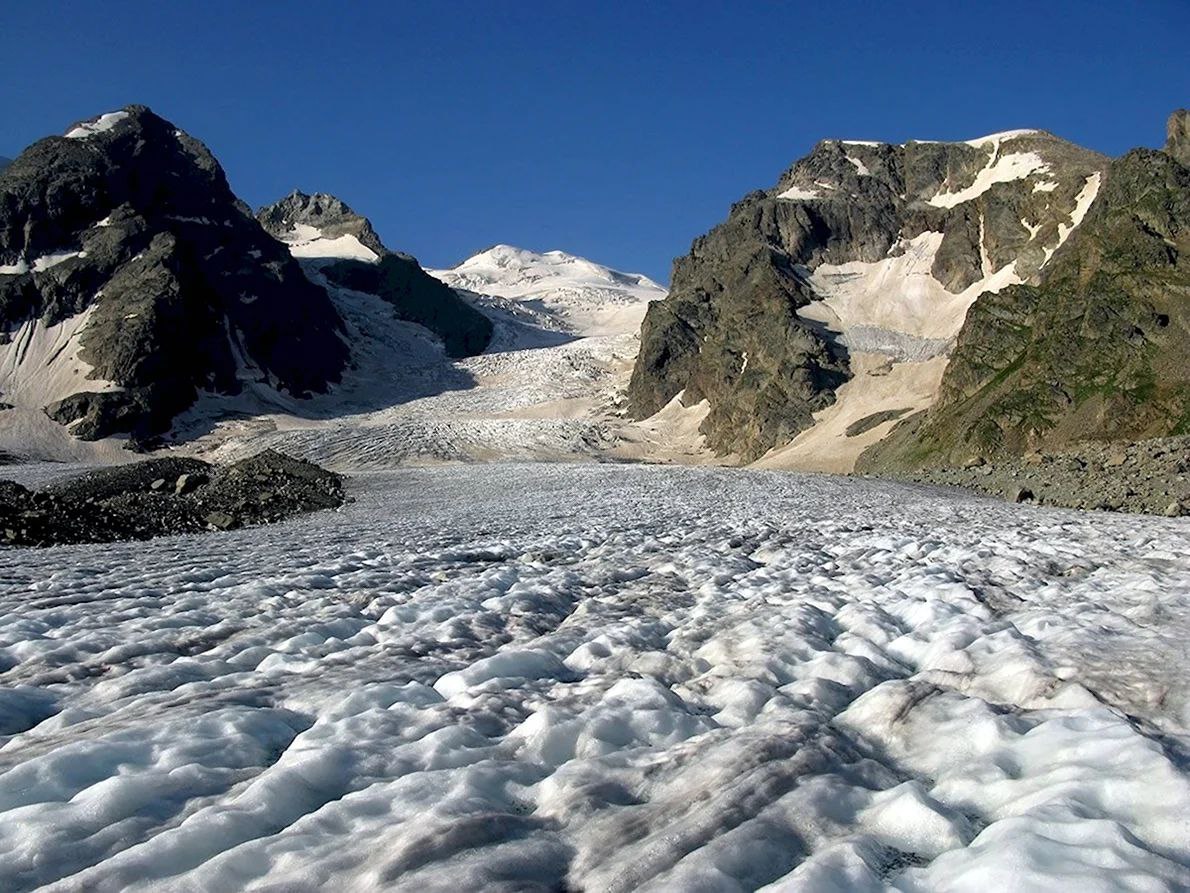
[(861, 252)]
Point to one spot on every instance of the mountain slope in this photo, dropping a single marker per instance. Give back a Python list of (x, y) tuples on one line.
[(342, 247), (1096, 350), (131, 278), (860, 263)]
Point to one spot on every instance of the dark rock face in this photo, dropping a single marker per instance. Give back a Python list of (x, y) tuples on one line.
[(184, 288), (729, 333), (414, 294), (1096, 351), (739, 327), (4, 162), (165, 496), (1177, 136)]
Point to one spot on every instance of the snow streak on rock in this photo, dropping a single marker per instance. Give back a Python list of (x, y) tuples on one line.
[(604, 678)]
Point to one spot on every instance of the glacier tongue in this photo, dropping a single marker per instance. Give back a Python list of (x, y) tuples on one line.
[(604, 678)]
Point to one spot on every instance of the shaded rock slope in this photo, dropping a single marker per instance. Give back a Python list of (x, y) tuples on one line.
[(164, 496), (862, 256), (131, 278), (341, 246), (1097, 350)]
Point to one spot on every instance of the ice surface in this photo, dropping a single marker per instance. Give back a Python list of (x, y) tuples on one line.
[(548, 386), (612, 678)]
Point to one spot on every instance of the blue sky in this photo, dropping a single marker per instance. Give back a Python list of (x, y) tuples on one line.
[(615, 131)]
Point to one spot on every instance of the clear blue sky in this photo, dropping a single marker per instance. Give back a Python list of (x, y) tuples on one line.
[(615, 131)]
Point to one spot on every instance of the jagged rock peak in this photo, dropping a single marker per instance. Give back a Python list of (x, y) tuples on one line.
[(321, 225), (1177, 136)]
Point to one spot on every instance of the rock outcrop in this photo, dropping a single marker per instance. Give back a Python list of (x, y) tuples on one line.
[(1177, 136)]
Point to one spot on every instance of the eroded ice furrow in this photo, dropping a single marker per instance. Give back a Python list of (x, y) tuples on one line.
[(604, 678)]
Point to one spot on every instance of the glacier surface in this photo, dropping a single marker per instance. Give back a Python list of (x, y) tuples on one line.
[(604, 678)]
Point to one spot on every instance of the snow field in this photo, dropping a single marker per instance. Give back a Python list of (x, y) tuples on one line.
[(604, 678)]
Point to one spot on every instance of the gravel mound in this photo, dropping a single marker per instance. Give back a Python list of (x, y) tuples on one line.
[(165, 496)]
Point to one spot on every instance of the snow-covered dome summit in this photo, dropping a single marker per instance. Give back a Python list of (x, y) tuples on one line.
[(587, 298), (517, 269)]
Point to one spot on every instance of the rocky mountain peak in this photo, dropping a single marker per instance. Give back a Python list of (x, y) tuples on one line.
[(313, 224), (1177, 136), (863, 254), (339, 249), (131, 277)]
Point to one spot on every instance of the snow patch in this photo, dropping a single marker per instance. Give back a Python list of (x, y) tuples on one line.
[(997, 138), (101, 124), (1002, 169), (307, 241), (860, 167), (40, 364), (48, 261), (561, 291), (1082, 204), (898, 293), (798, 193)]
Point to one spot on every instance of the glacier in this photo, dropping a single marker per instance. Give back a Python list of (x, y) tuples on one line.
[(604, 677)]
